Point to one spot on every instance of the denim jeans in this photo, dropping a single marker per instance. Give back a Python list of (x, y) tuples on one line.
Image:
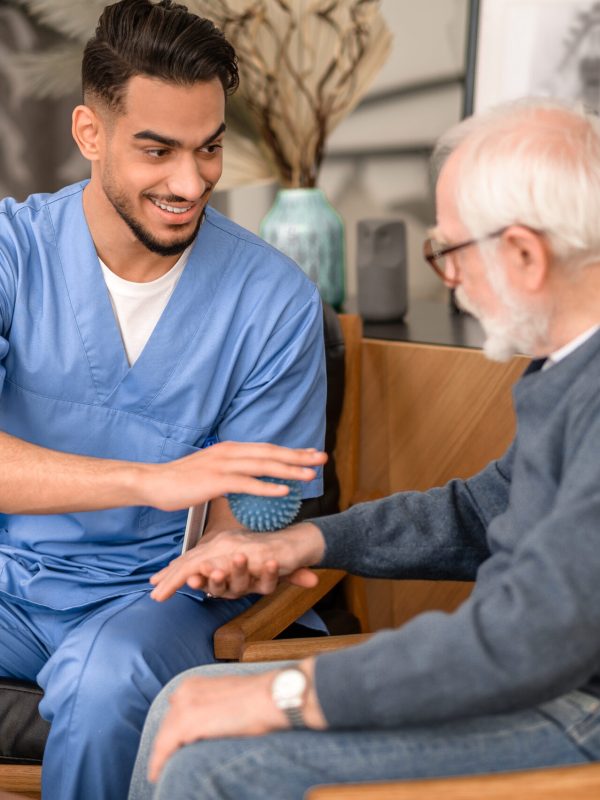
[(283, 766)]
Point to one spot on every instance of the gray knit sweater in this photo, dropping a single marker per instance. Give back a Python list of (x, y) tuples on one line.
[(528, 529)]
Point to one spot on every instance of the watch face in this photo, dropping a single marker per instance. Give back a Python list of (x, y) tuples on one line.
[(289, 685)]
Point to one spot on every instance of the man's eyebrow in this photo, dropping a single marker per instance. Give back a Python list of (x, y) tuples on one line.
[(168, 142), (221, 129)]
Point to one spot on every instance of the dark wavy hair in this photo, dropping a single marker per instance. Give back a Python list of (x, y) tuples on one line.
[(160, 40)]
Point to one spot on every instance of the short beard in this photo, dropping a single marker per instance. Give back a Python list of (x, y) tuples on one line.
[(520, 330), (146, 238)]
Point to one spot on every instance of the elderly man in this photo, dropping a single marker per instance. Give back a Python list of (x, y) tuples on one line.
[(512, 678)]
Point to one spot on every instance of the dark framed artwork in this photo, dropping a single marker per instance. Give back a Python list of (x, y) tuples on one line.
[(543, 48)]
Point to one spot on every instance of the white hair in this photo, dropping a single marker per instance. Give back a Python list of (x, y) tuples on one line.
[(532, 162)]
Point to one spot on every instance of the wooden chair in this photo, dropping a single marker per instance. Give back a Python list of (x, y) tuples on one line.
[(238, 640)]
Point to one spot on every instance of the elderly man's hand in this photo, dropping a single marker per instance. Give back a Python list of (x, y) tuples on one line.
[(236, 705), (231, 564), (209, 708)]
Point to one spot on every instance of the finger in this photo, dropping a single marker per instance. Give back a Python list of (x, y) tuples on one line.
[(263, 467), (175, 578), (304, 577), (166, 587), (158, 576), (160, 755), (196, 581), (302, 456), (216, 583), (171, 567), (167, 741), (268, 579), (247, 485), (240, 578), (167, 583)]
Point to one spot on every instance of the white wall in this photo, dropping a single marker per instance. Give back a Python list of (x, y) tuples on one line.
[(429, 45)]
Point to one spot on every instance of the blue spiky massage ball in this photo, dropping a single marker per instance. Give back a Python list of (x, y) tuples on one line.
[(267, 513)]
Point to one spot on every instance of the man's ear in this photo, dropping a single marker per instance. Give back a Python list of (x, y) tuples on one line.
[(87, 130), (528, 258)]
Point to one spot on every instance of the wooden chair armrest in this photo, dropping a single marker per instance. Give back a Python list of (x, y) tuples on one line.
[(22, 778), (580, 782), (271, 614), (281, 649), (11, 796)]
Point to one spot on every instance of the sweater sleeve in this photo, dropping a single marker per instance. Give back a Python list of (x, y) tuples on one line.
[(504, 648), (439, 534)]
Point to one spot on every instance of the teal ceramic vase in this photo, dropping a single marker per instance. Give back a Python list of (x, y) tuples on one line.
[(305, 226)]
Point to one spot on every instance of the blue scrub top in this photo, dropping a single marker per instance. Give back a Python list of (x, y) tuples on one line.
[(236, 355)]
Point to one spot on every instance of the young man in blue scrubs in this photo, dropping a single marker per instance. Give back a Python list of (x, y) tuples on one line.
[(137, 326)]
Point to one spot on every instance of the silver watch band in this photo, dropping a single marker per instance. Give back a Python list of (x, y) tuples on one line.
[(295, 717)]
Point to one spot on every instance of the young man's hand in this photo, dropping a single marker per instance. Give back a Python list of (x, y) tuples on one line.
[(231, 564), (220, 469), (36, 480)]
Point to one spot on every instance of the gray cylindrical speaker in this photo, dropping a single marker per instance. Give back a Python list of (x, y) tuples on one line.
[(381, 266)]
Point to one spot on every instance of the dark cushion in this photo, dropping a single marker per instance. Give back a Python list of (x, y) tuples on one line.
[(23, 732), (329, 501), (332, 608)]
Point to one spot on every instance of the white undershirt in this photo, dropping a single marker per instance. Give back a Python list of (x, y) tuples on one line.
[(568, 348), (138, 306)]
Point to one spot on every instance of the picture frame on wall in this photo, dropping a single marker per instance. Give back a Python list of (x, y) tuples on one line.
[(542, 48)]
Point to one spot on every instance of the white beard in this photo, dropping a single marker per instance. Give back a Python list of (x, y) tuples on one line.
[(518, 330)]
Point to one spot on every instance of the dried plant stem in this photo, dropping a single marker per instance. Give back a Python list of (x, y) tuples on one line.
[(297, 92)]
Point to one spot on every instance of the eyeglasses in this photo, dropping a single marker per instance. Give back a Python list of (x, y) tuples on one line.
[(436, 253)]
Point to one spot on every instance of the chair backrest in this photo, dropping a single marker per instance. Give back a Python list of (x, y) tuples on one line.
[(430, 413), (342, 335)]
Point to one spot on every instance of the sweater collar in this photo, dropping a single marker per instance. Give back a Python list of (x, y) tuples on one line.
[(551, 384)]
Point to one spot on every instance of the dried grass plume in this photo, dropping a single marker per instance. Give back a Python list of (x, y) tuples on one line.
[(304, 65)]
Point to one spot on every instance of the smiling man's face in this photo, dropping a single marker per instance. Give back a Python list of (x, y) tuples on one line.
[(161, 158)]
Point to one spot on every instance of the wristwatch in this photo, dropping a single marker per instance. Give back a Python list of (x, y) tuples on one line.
[(287, 691)]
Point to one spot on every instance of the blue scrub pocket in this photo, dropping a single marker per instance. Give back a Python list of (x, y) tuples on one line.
[(172, 450), (170, 521)]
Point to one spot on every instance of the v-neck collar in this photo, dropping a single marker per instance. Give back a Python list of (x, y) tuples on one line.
[(115, 382)]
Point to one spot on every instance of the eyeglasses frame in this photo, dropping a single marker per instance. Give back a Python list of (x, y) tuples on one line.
[(452, 248)]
